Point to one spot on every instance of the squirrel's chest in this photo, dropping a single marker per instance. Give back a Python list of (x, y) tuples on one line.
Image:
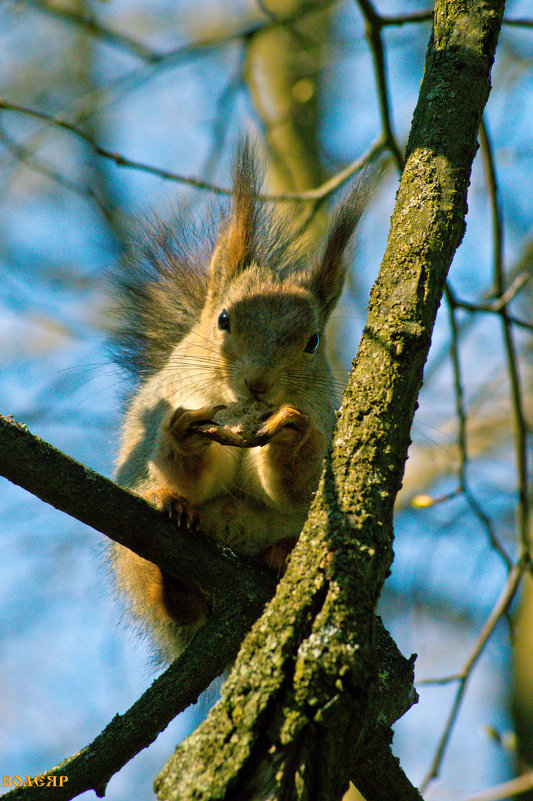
[(242, 516)]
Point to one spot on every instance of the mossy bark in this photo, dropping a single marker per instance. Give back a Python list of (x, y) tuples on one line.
[(292, 721)]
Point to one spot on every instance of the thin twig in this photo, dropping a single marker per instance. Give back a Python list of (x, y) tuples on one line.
[(492, 309), (30, 161), (516, 573), (154, 57), (404, 19), (183, 53), (89, 23), (519, 421), (500, 791), (500, 608), (513, 289), (501, 301), (519, 23), (462, 437), (119, 159), (373, 25), (322, 191)]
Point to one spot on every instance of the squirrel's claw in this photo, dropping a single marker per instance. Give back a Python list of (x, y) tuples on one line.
[(176, 507)]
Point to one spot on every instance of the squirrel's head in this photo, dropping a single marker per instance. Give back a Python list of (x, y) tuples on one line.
[(267, 304), (269, 334)]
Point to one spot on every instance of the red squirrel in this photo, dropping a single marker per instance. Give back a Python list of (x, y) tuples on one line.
[(205, 324)]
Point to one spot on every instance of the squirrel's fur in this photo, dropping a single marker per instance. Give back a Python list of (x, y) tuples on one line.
[(211, 319)]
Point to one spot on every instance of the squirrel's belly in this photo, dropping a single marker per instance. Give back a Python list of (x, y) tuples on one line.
[(247, 527)]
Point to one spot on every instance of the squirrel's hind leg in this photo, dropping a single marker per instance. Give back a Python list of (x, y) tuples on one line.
[(168, 596)]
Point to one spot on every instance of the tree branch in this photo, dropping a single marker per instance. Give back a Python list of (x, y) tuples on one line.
[(55, 478), (318, 193), (126, 518)]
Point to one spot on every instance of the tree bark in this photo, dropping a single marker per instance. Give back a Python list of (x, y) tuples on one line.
[(293, 718)]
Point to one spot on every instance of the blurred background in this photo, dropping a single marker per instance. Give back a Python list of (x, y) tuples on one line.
[(322, 87)]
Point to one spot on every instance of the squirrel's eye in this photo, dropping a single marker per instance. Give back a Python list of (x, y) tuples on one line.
[(313, 343), (223, 320)]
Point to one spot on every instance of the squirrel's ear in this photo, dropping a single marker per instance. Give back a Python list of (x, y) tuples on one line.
[(239, 249), (327, 278)]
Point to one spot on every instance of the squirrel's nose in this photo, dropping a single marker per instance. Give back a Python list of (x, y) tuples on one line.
[(258, 385)]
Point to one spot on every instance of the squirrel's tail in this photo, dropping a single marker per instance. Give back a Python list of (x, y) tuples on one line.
[(160, 290)]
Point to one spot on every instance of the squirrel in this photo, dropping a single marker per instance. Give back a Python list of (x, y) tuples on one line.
[(209, 320)]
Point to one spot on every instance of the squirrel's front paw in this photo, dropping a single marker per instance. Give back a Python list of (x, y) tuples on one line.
[(169, 595), (287, 426), (181, 426)]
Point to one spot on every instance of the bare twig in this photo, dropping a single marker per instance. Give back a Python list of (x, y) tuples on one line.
[(498, 303), (119, 160), (373, 25), (82, 18), (493, 308), (404, 19), (520, 426), (505, 790), (519, 23), (322, 191), (30, 161), (184, 53), (500, 608), (152, 57), (516, 573), (513, 289), (462, 441)]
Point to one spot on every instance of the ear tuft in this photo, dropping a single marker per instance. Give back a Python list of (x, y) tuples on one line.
[(327, 279), (241, 233)]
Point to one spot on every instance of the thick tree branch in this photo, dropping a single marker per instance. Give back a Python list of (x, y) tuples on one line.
[(293, 712), (129, 520)]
